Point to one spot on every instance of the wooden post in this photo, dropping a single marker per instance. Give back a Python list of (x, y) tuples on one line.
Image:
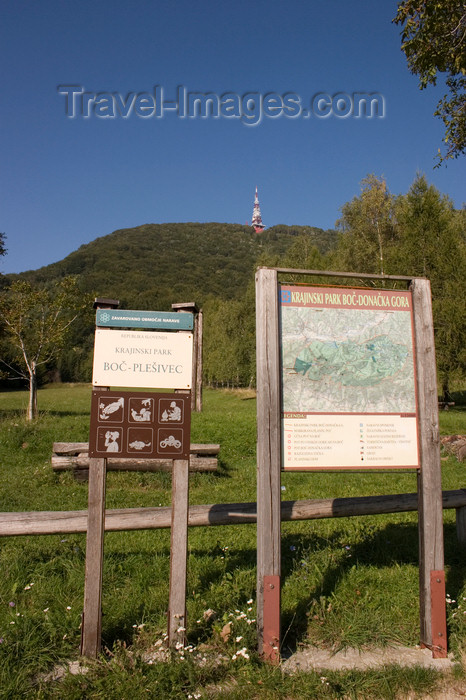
[(268, 466), (178, 553), (198, 321), (91, 630), (196, 390), (179, 519), (431, 554)]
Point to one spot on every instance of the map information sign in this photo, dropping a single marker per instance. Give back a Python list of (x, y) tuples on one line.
[(348, 379), (140, 424)]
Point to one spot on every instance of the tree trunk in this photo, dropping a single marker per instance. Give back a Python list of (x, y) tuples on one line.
[(446, 396), (32, 405)]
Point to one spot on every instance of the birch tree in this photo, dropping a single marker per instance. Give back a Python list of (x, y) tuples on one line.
[(367, 227), (36, 322)]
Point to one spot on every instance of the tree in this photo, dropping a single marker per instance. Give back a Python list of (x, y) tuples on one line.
[(367, 227), (433, 40), (36, 322), (417, 234), (432, 244), (2, 244), (304, 255), (229, 340), (2, 252)]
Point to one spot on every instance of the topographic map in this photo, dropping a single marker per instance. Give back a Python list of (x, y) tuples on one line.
[(347, 360)]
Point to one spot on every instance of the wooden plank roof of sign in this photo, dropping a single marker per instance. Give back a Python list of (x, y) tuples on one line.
[(188, 306), (105, 303)]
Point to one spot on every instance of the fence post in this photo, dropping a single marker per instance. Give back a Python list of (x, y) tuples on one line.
[(91, 630), (92, 613)]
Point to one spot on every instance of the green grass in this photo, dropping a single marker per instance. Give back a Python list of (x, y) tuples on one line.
[(345, 582)]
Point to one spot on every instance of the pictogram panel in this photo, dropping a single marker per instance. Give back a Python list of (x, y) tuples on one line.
[(140, 424)]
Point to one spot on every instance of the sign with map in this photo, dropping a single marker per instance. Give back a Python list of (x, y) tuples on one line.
[(348, 379)]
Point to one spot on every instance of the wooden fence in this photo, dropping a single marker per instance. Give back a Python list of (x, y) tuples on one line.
[(63, 522), (75, 456)]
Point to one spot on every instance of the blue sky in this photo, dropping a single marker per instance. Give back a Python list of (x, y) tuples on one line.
[(66, 181)]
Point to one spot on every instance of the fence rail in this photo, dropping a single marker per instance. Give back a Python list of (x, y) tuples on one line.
[(74, 456), (75, 521)]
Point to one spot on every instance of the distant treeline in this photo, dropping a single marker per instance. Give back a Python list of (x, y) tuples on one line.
[(155, 265), (213, 264)]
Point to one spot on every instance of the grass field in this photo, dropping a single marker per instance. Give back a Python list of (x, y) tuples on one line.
[(346, 582)]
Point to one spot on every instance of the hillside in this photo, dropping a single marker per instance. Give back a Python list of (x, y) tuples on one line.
[(154, 265)]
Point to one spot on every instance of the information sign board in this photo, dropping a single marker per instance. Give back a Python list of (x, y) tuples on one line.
[(142, 359), (348, 379), (148, 425)]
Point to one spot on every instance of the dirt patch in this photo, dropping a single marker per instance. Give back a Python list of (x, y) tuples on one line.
[(455, 445), (60, 671), (315, 659)]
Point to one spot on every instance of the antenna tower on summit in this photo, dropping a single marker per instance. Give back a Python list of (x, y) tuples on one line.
[(256, 221)]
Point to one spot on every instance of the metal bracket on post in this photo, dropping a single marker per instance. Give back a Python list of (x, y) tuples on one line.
[(271, 651), (439, 624)]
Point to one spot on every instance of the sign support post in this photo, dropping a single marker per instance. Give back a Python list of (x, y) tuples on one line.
[(179, 524), (196, 391), (178, 553), (91, 622), (431, 550), (268, 467)]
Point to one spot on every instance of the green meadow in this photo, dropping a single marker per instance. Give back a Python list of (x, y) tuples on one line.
[(346, 582)]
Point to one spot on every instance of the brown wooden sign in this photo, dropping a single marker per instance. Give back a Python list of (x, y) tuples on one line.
[(140, 424)]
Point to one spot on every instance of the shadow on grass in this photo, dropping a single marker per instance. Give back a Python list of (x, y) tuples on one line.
[(223, 470), (455, 562), (459, 397), (9, 413), (120, 630), (66, 413), (395, 544)]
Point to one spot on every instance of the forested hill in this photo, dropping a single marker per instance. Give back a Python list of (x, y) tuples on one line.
[(154, 265)]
